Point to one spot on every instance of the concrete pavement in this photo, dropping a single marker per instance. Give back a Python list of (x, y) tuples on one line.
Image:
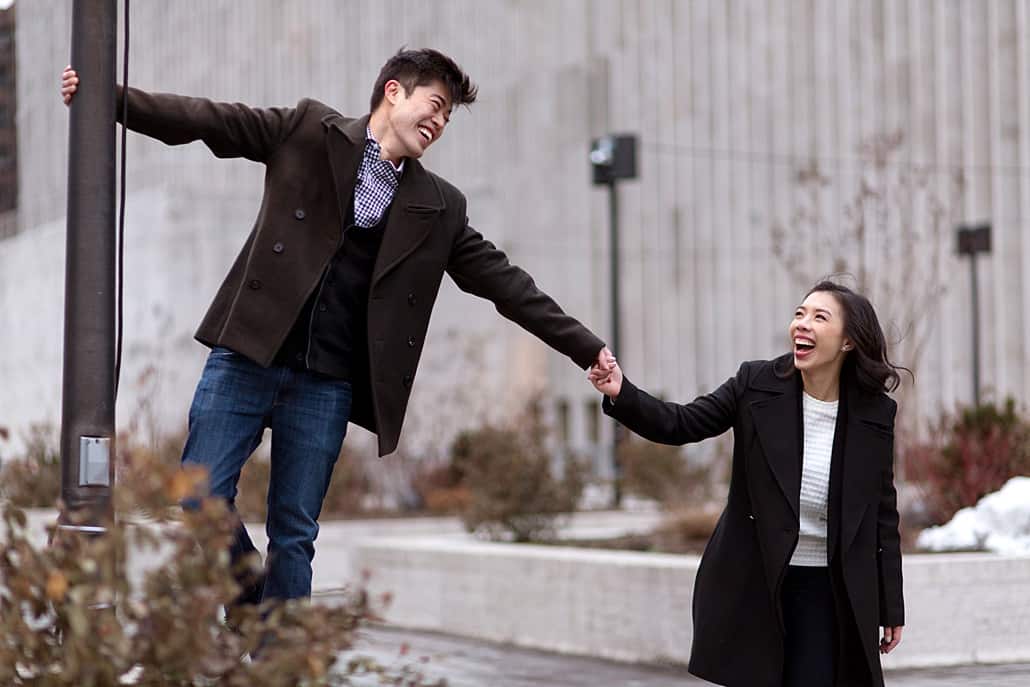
[(472, 663)]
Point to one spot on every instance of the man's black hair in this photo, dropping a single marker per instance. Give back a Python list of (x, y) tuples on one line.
[(413, 68)]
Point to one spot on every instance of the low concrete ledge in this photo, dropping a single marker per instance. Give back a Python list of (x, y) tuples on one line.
[(960, 608), (619, 605), (965, 608)]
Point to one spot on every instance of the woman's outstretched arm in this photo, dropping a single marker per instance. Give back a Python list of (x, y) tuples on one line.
[(666, 422)]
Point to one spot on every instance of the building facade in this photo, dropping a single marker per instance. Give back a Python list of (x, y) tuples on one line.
[(780, 141)]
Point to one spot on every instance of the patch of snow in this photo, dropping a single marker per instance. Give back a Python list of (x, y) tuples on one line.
[(1000, 522)]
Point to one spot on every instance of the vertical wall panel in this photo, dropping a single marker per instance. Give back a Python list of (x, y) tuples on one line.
[(1021, 88), (686, 332), (723, 328), (704, 218), (777, 148), (948, 132), (738, 218), (663, 287)]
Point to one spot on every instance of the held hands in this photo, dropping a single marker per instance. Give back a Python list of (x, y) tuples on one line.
[(891, 638), (605, 374), (69, 84)]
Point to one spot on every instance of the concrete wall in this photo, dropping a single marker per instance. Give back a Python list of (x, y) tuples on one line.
[(966, 608), (735, 101)]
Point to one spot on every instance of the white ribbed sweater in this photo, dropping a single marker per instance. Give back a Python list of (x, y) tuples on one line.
[(820, 421)]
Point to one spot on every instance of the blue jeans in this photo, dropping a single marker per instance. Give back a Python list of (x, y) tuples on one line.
[(236, 399)]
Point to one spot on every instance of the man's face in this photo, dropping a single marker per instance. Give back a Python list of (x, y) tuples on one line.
[(417, 120)]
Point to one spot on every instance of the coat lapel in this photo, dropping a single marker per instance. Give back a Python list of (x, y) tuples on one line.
[(345, 142), (416, 208), (777, 424), (868, 445), (837, 457)]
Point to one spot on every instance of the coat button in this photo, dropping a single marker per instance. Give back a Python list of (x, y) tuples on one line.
[(255, 284), (406, 381), (322, 307), (411, 299), (411, 342), (299, 213), (278, 247), (750, 516)]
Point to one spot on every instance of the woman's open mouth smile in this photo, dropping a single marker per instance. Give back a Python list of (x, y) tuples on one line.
[(803, 347)]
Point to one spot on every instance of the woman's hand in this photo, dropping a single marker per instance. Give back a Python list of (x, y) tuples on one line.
[(891, 638), (608, 382)]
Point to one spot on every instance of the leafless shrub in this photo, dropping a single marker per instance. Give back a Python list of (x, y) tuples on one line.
[(33, 480), (513, 491), (662, 473), (970, 454), (686, 529), (70, 616)]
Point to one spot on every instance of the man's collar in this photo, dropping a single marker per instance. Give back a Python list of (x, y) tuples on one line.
[(371, 140)]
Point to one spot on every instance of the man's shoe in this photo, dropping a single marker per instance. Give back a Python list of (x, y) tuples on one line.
[(249, 596)]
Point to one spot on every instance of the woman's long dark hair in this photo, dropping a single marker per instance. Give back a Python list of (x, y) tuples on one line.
[(868, 361)]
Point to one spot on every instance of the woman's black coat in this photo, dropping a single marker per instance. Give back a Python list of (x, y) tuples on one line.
[(738, 624)]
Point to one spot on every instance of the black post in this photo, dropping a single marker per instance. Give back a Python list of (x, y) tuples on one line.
[(975, 239), (976, 329), (87, 412), (613, 225), (614, 157)]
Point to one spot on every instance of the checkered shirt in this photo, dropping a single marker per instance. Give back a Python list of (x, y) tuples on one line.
[(377, 182)]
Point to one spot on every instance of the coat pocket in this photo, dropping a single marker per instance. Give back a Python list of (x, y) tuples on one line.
[(422, 209), (880, 428)]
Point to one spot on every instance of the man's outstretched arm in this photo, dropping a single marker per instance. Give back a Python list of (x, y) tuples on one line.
[(228, 129), (480, 268)]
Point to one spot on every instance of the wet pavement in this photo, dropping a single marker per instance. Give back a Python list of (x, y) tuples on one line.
[(472, 663)]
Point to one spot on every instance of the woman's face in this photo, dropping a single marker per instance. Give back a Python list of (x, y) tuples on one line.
[(817, 332)]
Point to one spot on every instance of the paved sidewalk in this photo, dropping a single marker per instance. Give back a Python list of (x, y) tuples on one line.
[(471, 663)]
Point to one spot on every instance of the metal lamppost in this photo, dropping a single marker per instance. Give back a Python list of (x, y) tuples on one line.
[(974, 239), (87, 409), (614, 157)]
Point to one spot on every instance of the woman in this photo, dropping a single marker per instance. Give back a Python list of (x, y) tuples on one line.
[(804, 564)]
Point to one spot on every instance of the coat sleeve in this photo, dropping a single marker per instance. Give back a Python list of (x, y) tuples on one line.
[(888, 557), (228, 129), (480, 268), (666, 422)]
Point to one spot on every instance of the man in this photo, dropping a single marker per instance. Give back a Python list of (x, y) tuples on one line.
[(322, 317)]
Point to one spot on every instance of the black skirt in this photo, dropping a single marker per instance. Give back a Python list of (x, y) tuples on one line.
[(810, 621)]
